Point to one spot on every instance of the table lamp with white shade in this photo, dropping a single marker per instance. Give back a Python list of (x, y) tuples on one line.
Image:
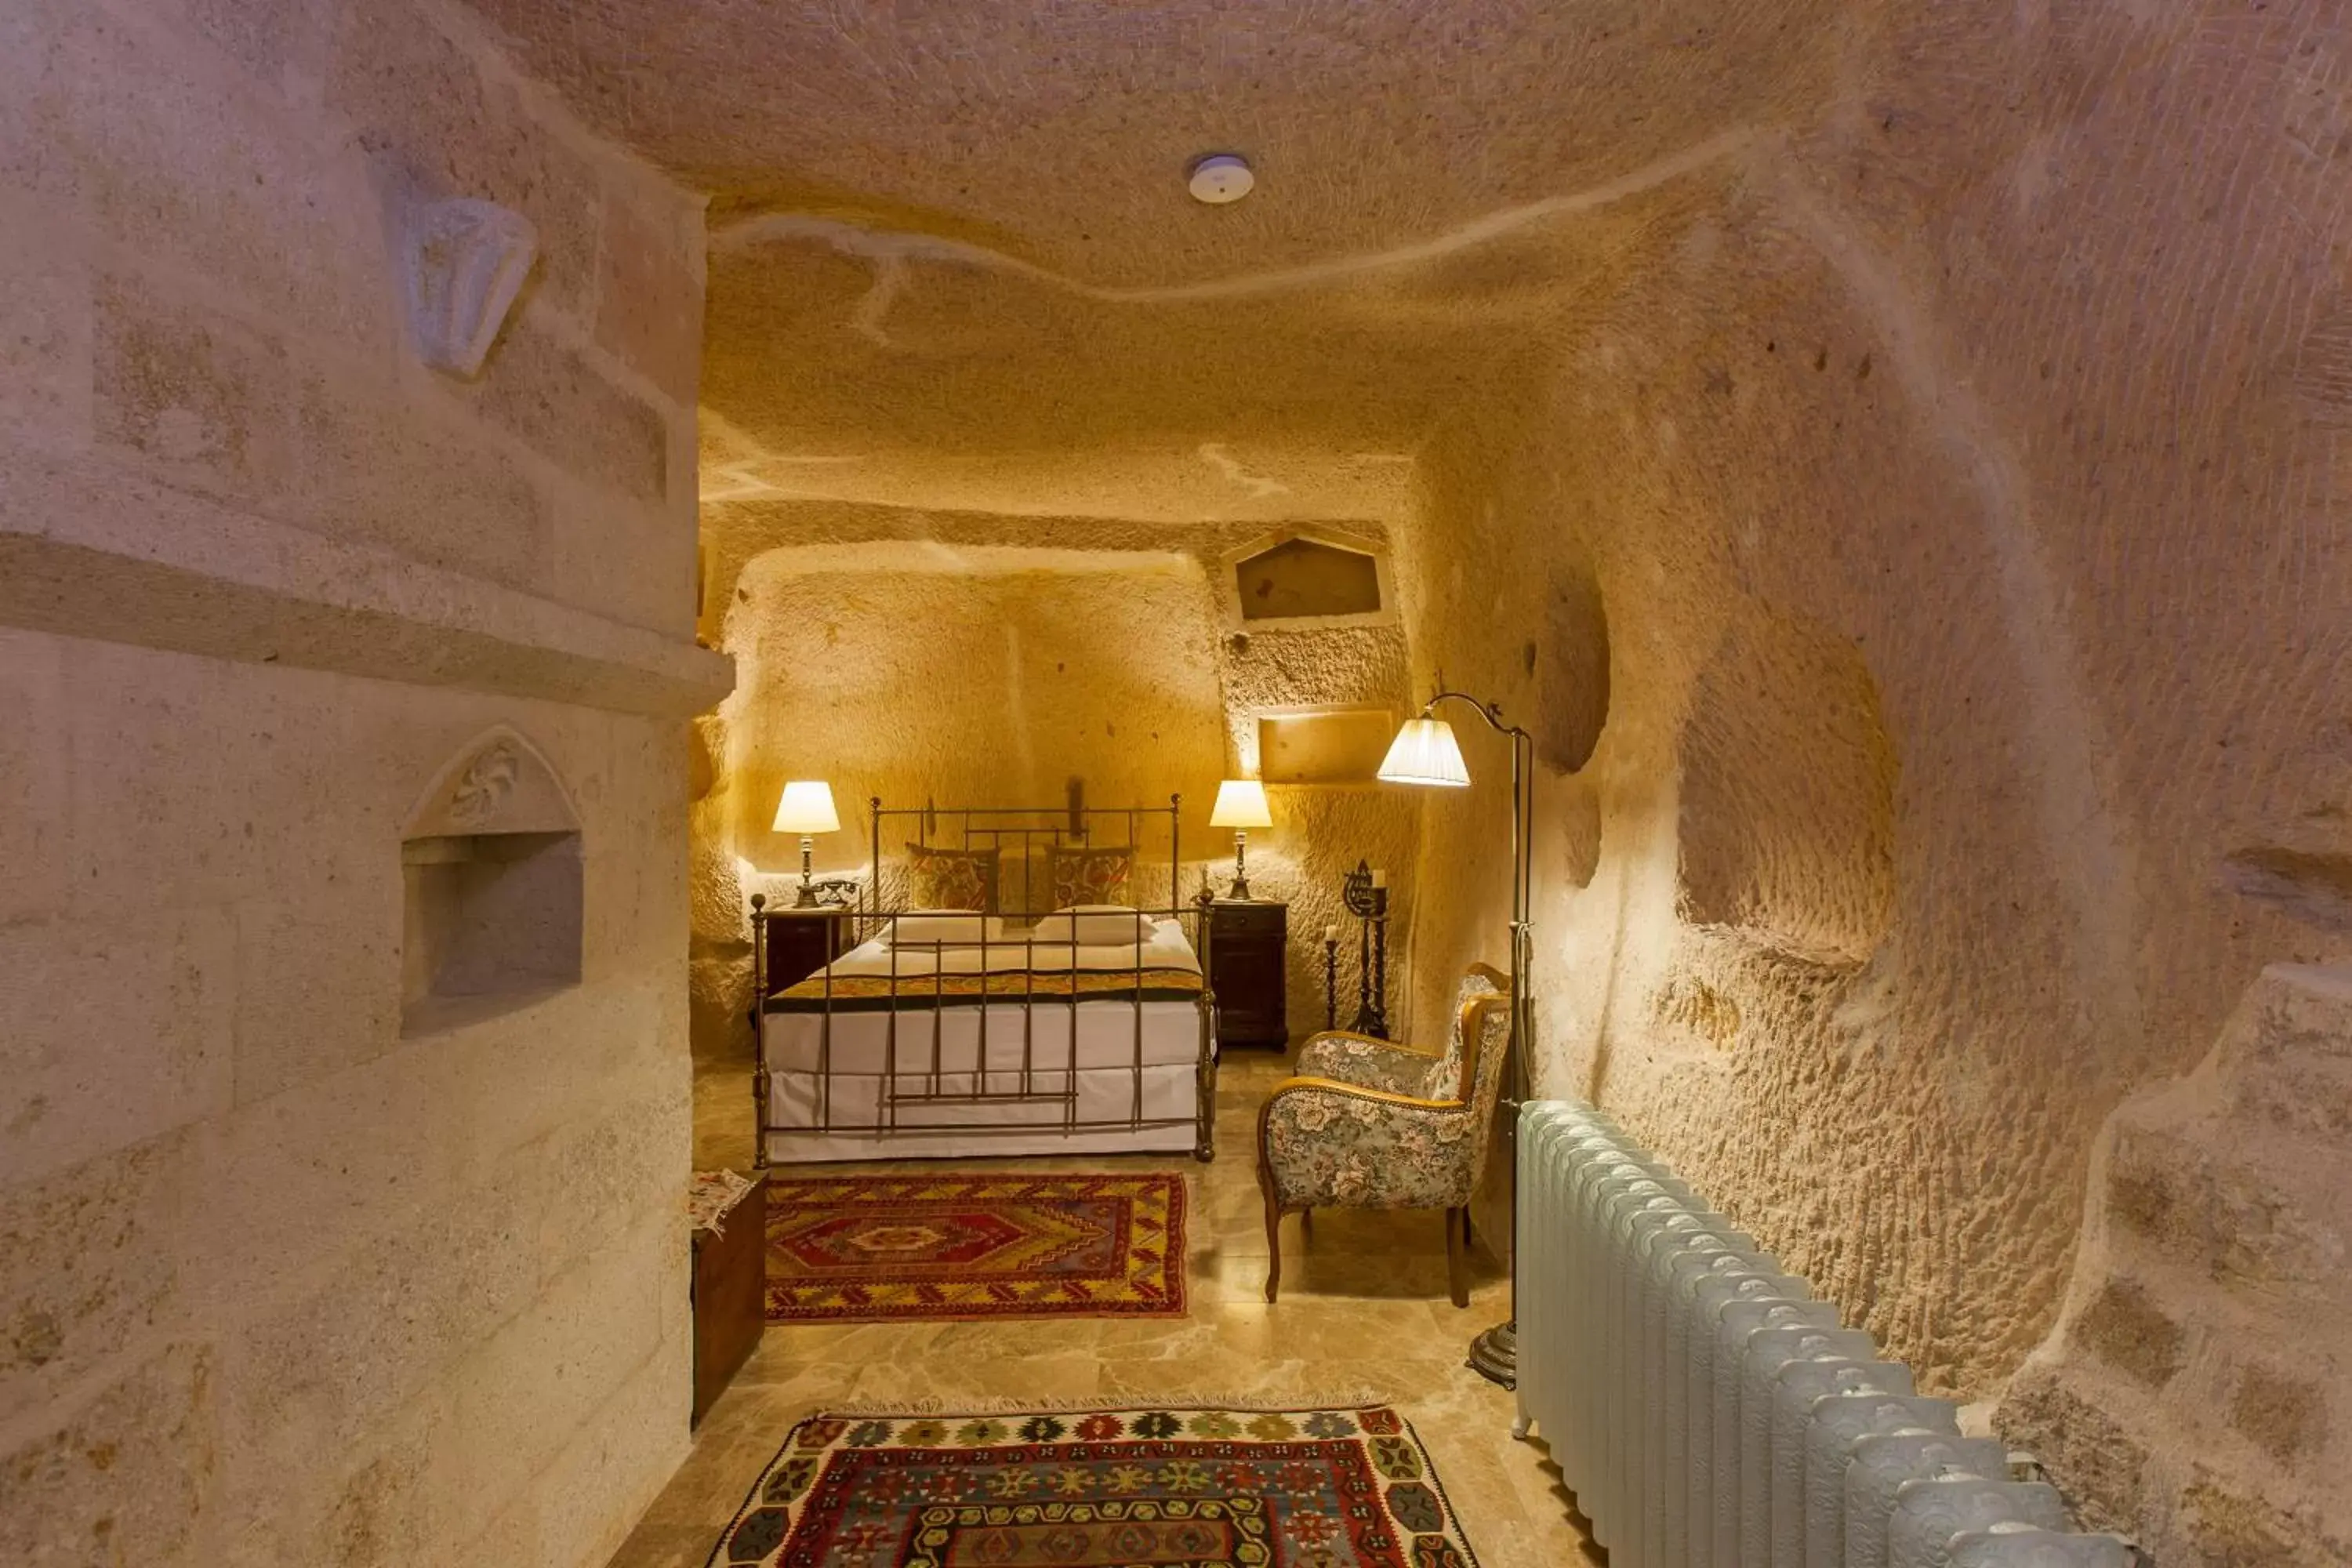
[(1241, 806), (806, 809)]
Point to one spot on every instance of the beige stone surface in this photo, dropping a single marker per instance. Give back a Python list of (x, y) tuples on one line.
[(1933, 747), (337, 1223), (220, 441), (2201, 1322), (1868, 957), (279, 1282)]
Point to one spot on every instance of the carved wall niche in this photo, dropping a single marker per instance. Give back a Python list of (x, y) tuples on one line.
[(491, 885), (1341, 745), (1786, 809), (1573, 666), (1308, 579)]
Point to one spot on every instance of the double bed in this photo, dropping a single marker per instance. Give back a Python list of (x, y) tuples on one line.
[(942, 1034)]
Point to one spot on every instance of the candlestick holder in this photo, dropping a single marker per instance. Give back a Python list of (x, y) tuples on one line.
[(1368, 902), (1331, 981)]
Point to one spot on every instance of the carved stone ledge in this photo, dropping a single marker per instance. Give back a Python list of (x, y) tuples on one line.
[(86, 554)]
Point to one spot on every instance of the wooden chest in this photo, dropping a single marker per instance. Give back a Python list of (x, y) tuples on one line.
[(730, 1294)]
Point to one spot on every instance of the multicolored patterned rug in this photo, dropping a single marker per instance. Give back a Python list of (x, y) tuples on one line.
[(958, 1246), (1173, 1488)]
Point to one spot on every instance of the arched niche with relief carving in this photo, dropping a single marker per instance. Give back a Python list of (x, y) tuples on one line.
[(491, 887)]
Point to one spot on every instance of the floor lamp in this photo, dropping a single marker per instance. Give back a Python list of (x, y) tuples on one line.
[(1425, 752)]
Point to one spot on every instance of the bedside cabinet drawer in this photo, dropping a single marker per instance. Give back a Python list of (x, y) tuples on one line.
[(1250, 920)]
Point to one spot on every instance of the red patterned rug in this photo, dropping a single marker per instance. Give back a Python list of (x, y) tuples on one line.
[(960, 1246), (1199, 1489)]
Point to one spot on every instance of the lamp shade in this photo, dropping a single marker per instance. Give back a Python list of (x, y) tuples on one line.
[(1241, 802), (807, 807), (1425, 752)]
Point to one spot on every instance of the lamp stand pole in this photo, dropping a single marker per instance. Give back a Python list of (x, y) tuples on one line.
[(1241, 864), (1495, 1353), (807, 900)]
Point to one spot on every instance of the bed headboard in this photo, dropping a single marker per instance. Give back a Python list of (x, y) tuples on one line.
[(1024, 836)]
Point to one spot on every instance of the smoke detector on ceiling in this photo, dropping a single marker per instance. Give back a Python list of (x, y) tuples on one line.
[(1221, 177)]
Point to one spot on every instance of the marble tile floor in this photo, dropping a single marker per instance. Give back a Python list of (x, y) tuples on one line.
[(1363, 1313)]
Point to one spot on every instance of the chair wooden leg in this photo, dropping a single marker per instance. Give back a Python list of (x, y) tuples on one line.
[(1306, 1222), (1273, 1245), (1457, 1255)]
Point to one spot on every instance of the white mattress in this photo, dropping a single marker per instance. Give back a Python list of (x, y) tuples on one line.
[(830, 1068)]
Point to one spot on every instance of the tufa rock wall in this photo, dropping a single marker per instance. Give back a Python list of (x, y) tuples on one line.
[(2194, 1389), (283, 1278), (1963, 481)]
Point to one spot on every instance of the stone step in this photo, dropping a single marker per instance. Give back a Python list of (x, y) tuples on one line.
[(2301, 1097), (2295, 1011), (2240, 1211)]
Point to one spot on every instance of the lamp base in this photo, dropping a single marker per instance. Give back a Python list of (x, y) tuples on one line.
[(1240, 889), (1495, 1354), (807, 900)]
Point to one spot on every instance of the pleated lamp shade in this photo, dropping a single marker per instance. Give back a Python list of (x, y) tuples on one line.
[(1425, 752)]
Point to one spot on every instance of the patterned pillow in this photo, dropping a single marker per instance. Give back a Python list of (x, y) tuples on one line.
[(951, 879), (1085, 876)]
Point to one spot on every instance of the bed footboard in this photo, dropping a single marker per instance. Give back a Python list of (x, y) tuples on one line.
[(1205, 1150)]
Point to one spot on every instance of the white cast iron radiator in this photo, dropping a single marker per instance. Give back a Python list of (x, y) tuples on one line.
[(1709, 1413)]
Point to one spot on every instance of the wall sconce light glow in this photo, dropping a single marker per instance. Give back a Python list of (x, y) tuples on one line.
[(1425, 752)]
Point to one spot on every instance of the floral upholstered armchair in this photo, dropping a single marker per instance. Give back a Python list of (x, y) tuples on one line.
[(1371, 1124)]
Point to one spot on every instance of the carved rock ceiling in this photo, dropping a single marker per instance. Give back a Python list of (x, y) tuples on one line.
[(954, 263)]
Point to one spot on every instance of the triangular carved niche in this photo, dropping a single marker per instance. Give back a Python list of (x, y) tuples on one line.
[(491, 878), (499, 782)]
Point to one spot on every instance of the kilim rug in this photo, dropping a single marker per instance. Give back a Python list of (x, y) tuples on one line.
[(1231, 1489), (961, 1245)]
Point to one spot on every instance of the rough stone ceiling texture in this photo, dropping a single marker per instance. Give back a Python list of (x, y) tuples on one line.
[(1058, 131), (953, 262)]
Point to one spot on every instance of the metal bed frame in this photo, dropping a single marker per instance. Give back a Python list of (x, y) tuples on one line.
[(912, 1106)]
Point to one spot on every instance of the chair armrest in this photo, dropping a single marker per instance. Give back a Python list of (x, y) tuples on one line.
[(1351, 1057), (1357, 1092)]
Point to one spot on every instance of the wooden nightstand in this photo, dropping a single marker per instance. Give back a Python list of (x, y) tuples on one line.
[(795, 943), (1248, 946)]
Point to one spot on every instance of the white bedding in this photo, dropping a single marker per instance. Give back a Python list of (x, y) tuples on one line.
[(830, 1068)]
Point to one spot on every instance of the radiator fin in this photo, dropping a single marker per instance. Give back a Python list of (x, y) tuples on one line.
[(1709, 1412)]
